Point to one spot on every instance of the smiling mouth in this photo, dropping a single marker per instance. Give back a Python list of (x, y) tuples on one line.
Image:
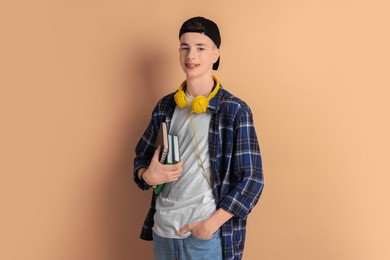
[(192, 65)]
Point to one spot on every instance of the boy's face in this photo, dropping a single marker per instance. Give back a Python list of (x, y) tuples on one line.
[(198, 53)]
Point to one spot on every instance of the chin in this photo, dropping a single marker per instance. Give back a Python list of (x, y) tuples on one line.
[(192, 75), (196, 74)]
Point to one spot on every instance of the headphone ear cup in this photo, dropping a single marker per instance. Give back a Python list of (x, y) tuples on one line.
[(199, 104), (181, 99)]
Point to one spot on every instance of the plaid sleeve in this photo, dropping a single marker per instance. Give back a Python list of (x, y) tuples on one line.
[(145, 148), (144, 152), (247, 167)]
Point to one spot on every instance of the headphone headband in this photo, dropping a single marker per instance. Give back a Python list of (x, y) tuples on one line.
[(200, 103)]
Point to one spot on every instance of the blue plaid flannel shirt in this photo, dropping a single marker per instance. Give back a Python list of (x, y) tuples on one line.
[(235, 160)]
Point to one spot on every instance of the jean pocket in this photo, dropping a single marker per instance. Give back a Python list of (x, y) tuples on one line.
[(215, 235)]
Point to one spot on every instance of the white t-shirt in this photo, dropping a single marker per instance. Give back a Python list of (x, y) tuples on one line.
[(190, 198)]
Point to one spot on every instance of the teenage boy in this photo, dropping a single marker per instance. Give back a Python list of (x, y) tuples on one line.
[(202, 210)]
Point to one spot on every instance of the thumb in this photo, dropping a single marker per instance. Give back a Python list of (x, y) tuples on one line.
[(184, 230), (157, 152)]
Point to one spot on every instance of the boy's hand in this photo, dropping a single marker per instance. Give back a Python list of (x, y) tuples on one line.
[(205, 229), (200, 230), (158, 173)]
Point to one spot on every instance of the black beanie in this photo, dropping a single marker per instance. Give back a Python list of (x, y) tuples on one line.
[(206, 27)]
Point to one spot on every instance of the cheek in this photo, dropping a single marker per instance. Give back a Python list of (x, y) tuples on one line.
[(211, 57), (182, 56), (182, 61)]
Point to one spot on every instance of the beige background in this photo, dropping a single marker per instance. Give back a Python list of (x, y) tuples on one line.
[(79, 80)]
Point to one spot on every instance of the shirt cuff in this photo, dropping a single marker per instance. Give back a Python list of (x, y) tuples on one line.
[(140, 181)]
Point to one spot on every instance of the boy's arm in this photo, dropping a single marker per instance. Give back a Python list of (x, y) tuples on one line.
[(158, 173), (144, 152), (247, 167), (148, 171)]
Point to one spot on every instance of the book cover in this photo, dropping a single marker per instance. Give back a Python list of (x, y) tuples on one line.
[(171, 157), (176, 150), (162, 140), (170, 151)]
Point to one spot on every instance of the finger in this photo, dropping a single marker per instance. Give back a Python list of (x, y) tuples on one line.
[(173, 176), (156, 155), (169, 172), (157, 151), (184, 230), (178, 167)]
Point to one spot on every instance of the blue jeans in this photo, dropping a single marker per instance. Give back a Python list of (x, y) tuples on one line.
[(190, 248)]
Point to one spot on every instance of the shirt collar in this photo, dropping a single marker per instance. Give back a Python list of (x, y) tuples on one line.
[(215, 101)]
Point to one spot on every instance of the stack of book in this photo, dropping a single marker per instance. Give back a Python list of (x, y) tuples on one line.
[(169, 153)]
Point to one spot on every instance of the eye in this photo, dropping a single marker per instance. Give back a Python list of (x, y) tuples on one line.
[(184, 48), (201, 49)]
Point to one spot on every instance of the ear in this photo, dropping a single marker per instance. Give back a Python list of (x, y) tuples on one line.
[(217, 52)]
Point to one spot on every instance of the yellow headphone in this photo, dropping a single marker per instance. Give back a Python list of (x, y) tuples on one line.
[(200, 103)]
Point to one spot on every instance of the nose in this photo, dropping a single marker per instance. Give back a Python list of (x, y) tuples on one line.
[(191, 54)]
